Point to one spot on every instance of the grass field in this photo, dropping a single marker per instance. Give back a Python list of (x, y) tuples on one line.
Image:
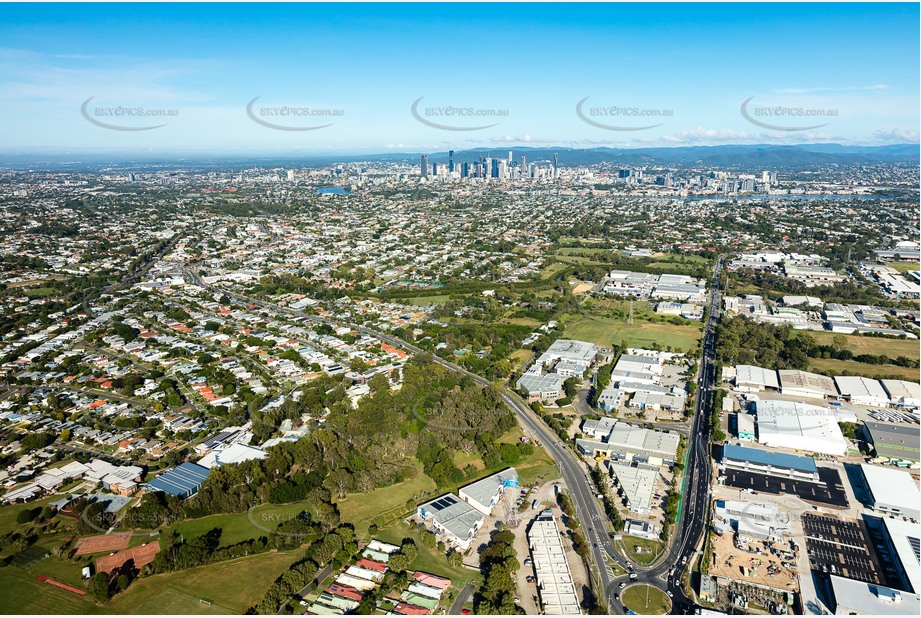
[(635, 597), (21, 594), (642, 557), (361, 509), (232, 586), (236, 527), (831, 365), (904, 267), (873, 345), (419, 301), (604, 332)]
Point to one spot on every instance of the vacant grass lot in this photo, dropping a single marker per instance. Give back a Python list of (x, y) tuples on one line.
[(645, 600), (236, 527), (604, 332), (836, 367), (649, 549), (233, 587), (361, 509), (904, 267), (859, 344), (435, 299)]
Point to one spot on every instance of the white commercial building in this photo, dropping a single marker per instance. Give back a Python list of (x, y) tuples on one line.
[(751, 378), (862, 391), (484, 494), (554, 579), (857, 598), (903, 540), (799, 426), (805, 384), (903, 393), (892, 491), (635, 484), (453, 518)]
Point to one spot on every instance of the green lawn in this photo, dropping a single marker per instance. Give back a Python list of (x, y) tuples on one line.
[(904, 267), (21, 594), (232, 586), (419, 301), (646, 600), (859, 344), (236, 527), (834, 366), (605, 332), (642, 557), (361, 509)]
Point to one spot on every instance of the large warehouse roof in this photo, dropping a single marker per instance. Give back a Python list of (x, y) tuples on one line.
[(891, 487), (768, 458), (796, 381), (896, 441), (860, 388), (903, 391), (852, 596), (749, 375), (182, 481), (800, 426), (906, 540)]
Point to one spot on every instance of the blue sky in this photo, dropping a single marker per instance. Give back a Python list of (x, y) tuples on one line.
[(692, 65)]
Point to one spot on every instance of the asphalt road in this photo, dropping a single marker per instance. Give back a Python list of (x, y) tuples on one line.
[(692, 519)]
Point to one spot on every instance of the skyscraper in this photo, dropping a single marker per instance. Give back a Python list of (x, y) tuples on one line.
[(523, 167), (556, 165), (450, 160), (424, 166)]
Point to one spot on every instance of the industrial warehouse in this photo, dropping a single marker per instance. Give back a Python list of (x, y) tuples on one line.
[(554, 578)]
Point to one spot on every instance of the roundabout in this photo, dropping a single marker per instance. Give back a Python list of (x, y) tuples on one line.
[(646, 600)]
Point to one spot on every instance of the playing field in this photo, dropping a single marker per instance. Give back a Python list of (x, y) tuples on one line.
[(834, 366), (873, 345), (645, 599), (605, 332), (21, 594), (232, 586), (102, 542), (139, 556)]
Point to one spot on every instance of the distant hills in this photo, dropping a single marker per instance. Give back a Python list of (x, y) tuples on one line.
[(758, 155), (747, 156)]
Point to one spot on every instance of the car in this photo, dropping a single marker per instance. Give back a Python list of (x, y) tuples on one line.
[(669, 593), (527, 562), (517, 599), (623, 585), (465, 611)]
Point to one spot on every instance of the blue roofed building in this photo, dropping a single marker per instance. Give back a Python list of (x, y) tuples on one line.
[(760, 461), (183, 481)]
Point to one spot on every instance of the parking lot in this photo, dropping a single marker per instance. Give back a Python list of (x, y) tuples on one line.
[(830, 492), (840, 547)]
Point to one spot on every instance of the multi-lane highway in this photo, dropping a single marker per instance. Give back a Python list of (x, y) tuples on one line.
[(575, 472)]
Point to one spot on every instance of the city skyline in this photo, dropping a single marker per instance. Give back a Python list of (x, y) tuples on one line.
[(347, 79)]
